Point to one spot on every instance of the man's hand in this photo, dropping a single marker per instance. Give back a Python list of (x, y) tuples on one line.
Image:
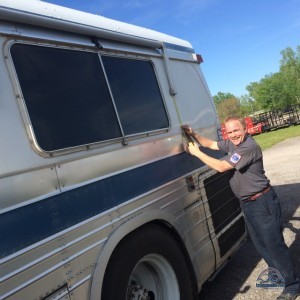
[(193, 149), (188, 130)]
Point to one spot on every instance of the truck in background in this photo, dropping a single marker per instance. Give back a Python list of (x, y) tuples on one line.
[(99, 200)]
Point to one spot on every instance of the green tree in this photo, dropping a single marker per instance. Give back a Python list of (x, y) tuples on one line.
[(228, 107), (281, 89), (247, 105), (270, 93), (290, 70), (220, 97)]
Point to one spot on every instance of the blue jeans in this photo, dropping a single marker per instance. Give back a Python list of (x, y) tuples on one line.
[(264, 224)]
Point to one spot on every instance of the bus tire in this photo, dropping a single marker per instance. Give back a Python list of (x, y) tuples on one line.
[(149, 264)]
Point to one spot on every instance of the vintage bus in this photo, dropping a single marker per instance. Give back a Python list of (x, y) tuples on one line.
[(99, 200)]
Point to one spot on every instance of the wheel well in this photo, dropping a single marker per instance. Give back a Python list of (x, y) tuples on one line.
[(176, 236), (184, 250)]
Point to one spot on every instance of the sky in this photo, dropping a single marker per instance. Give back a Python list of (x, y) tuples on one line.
[(239, 40)]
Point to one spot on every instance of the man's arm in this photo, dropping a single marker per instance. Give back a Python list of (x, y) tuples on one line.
[(216, 164), (203, 141)]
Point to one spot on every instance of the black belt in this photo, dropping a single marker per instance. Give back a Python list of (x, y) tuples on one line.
[(254, 197)]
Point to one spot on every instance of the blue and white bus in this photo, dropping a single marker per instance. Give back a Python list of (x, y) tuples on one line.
[(98, 199)]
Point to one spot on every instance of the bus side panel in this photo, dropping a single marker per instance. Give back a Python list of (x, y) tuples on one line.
[(193, 98), (69, 256)]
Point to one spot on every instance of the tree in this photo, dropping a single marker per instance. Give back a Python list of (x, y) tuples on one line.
[(281, 89), (228, 107), (220, 97), (247, 105), (290, 70), (270, 93)]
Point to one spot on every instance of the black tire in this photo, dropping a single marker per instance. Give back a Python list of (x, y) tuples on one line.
[(135, 252)]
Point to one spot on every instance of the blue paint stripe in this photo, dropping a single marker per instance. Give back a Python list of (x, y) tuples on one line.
[(27, 225)]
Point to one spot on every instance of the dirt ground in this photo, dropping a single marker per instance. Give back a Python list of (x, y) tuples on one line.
[(238, 279)]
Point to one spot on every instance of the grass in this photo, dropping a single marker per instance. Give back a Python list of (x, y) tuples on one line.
[(268, 139)]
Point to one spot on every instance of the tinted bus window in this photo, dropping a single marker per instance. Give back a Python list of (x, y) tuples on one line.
[(136, 94), (66, 96), (68, 99)]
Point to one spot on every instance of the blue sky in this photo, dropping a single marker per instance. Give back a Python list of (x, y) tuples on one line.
[(239, 40)]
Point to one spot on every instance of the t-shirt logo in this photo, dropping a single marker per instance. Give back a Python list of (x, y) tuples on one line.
[(235, 158)]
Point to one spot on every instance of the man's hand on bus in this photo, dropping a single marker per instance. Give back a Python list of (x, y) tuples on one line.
[(193, 149), (188, 130)]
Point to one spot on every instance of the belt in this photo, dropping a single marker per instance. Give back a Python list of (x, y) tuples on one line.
[(254, 197)]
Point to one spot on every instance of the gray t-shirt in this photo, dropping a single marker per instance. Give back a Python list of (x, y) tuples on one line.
[(248, 176)]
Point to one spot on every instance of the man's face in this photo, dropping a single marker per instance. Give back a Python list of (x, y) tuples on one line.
[(235, 131)]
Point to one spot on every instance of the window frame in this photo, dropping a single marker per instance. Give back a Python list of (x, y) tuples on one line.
[(145, 133), (122, 140)]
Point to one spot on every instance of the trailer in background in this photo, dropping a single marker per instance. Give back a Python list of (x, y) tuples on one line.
[(270, 120), (279, 118)]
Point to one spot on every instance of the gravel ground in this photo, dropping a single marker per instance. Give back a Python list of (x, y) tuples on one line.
[(238, 279)]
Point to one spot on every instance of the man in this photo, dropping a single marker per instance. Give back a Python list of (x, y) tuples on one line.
[(259, 201)]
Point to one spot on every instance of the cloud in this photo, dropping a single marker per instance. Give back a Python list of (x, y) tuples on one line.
[(191, 10), (150, 18), (154, 11), (277, 35), (151, 12), (138, 4)]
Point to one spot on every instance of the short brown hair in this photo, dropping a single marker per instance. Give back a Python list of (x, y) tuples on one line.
[(233, 118)]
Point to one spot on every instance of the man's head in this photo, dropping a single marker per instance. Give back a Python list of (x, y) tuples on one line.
[(236, 129)]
